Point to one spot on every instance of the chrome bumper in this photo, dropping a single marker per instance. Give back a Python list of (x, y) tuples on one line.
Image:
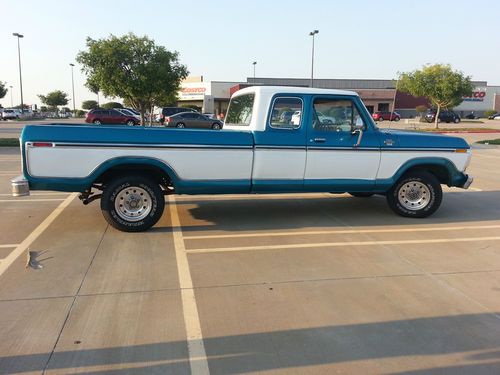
[(20, 187), (468, 182)]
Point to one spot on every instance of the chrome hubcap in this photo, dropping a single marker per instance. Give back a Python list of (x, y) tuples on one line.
[(133, 203), (414, 195)]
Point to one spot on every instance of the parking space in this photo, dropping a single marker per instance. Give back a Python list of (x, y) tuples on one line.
[(294, 283)]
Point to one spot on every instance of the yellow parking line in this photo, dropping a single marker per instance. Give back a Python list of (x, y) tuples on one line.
[(342, 231), (32, 200), (340, 244)]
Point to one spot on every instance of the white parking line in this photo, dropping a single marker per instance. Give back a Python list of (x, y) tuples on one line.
[(196, 347), (23, 246), (340, 244), (342, 231), (9, 245)]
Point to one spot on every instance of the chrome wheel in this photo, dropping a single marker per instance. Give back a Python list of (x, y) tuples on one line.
[(133, 203), (414, 195)]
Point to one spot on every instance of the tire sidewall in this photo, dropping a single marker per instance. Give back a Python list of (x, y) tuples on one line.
[(430, 182), (114, 188)]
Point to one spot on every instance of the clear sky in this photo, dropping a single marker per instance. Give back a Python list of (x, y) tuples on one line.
[(220, 39)]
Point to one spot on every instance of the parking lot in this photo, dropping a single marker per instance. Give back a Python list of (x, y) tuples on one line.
[(285, 284)]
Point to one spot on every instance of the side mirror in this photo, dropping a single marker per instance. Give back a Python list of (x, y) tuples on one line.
[(356, 128)]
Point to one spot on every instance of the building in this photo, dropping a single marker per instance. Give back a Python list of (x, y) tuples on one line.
[(377, 94), (207, 97)]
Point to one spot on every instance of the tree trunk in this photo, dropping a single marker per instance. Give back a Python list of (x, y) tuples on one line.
[(436, 120), (143, 110)]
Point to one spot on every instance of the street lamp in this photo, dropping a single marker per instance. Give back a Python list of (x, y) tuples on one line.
[(19, 36), (73, 86), (11, 102), (254, 64), (312, 33)]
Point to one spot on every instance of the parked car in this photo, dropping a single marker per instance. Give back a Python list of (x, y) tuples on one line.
[(131, 173), (128, 112), (444, 116), (11, 114), (495, 116), (388, 116), (109, 116), (192, 120), (169, 111), (471, 116), (326, 120)]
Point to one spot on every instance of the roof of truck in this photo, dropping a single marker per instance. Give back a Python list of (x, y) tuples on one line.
[(270, 90)]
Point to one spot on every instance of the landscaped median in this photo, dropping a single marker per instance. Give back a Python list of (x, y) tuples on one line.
[(490, 142), (9, 142)]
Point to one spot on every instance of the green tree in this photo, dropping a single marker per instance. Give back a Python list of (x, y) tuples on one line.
[(54, 99), (133, 68), (112, 105), (89, 104), (3, 90), (444, 87)]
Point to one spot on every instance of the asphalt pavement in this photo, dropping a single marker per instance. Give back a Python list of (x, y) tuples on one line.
[(281, 284)]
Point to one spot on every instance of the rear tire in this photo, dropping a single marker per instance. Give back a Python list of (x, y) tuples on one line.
[(417, 194), (132, 203), (97, 122), (180, 125), (216, 126)]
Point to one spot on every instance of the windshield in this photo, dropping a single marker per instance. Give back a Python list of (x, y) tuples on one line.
[(240, 110)]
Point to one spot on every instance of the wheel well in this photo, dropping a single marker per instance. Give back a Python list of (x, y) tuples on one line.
[(439, 171), (155, 173)]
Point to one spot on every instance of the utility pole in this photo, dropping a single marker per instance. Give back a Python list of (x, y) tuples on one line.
[(19, 36), (254, 64), (11, 101), (312, 33), (73, 86)]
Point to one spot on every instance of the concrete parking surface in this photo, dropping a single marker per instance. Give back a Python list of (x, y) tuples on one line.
[(282, 284)]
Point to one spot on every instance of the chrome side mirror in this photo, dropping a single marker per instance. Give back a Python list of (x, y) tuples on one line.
[(358, 128)]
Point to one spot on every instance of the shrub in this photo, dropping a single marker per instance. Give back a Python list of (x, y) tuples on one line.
[(489, 112)]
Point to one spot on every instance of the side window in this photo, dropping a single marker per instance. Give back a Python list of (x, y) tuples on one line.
[(335, 115), (240, 110), (286, 113)]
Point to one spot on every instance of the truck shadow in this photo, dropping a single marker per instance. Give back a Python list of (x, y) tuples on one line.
[(404, 341), (289, 212)]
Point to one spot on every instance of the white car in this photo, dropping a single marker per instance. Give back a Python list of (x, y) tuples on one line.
[(325, 119), (11, 114), (296, 118), (128, 112)]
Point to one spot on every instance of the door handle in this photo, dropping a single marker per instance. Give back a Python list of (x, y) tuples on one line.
[(320, 140)]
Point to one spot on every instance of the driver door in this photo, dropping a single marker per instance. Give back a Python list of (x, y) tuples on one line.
[(335, 162)]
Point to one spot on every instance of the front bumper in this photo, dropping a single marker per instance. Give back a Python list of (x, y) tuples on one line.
[(20, 186)]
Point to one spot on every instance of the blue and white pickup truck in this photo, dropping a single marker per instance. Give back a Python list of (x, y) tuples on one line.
[(260, 150)]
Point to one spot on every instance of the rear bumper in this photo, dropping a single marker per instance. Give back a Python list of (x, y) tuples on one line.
[(468, 182), (20, 186)]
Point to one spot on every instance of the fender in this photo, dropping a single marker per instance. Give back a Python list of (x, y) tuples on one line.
[(71, 184), (455, 177)]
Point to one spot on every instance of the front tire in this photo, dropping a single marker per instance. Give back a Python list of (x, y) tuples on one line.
[(132, 203), (216, 126), (417, 194), (130, 123), (97, 122)]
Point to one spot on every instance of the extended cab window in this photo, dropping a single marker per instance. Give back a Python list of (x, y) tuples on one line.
[(286, 113), (240, 110), (335, 115)]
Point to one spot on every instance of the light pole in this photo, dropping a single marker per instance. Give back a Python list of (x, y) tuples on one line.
[(19, 36), (312, 33), (11, 101), (73, 86), (254, 64)]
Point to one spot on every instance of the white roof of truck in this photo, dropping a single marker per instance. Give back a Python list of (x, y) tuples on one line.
[(263, 96), (271, 90)]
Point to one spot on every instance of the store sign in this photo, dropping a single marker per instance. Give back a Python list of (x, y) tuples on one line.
[(192, 92), (477, 96)]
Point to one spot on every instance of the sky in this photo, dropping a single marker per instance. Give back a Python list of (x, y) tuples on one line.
[(220, 39)]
